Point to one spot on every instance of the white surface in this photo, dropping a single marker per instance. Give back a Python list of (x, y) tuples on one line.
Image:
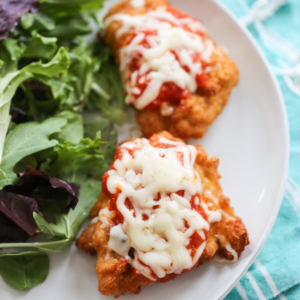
[(251, 139)]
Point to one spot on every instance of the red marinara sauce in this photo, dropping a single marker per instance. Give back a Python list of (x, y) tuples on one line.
[(169, 92)]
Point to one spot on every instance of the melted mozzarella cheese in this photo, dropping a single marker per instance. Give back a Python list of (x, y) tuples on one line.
[(160, 240), (105, 215), (118, 241), (213, 215), (219, 259), (137, 3), (165, 66)]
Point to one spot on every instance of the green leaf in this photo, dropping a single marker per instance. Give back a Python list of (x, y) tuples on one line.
[(23, 140), (57, 229), (74, 162), (69, 27), (110, 112), (88, 195), (80, 76), (68, 225), (107, 91), (11, 81), (93, 125), (28, 161), (40, 47), (37, 21), (13, 49), (58, 64), (111, 70), (10, 54), (73, 130), (58, 87), (24, 270), (4, 124), (58, 8), (109, 135)]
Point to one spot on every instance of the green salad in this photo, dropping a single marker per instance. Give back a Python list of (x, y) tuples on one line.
[(59, 98)]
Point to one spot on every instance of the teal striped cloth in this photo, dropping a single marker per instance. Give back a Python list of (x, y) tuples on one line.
[(275, 274)]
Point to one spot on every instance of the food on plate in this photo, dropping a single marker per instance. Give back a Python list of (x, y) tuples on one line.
[(161, 213), (175, 76)]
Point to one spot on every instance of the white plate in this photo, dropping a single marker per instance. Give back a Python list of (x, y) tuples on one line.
[(252, 141)]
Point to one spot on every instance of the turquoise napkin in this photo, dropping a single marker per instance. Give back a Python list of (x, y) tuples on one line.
[(275, 274)]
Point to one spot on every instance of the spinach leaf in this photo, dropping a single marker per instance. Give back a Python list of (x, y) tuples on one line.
[(24, 270)]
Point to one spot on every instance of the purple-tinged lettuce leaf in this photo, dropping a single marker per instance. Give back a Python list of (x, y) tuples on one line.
[(18, 116), (11, 12), (11, 232), (36, 192), (34, 182), (67, 225), (20, 210)]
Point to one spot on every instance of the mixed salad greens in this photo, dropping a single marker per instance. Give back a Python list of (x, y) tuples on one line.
[(52, 152)]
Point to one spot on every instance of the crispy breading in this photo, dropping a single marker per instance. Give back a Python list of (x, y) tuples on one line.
[(191, 117), (85, 242), (114, 273)]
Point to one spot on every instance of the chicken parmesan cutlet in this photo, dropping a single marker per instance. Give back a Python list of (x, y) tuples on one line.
[(161, 213), (174, 75)]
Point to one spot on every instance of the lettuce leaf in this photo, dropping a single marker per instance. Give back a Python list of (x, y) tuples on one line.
[(11, 81), (39, 193), (10, 232), (108, 134), (73, 130), (36, 22), (75, 162), (20, 210), (23, 140), (66, 225), (40, 47), (58, 8), (18, 116)]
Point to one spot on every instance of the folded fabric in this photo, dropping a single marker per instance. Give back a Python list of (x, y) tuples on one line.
[(275, 273)]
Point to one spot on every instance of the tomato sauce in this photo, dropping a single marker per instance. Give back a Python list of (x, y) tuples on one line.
[(169, 92)]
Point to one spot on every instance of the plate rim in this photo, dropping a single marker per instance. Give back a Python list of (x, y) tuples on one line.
[(286, 144)]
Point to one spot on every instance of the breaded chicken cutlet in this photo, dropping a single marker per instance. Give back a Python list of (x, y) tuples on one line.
[(161, 213), (174, 75)]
